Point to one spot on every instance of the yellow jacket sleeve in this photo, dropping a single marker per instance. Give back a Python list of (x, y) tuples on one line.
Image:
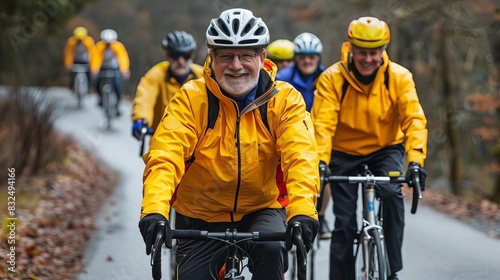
[(68, 52), (148, 90), (172, 143), (122, 55), (413, 120), (96, 57), (325, 111), (299, 155)]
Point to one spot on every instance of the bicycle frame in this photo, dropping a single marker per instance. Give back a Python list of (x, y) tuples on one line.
[(232, 268)]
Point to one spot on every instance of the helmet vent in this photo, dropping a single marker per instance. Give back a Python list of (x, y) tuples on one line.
[(235, 25), (223, 27), (260, 31), (212, 31), (249, 41), (223, 42), (248, 27)]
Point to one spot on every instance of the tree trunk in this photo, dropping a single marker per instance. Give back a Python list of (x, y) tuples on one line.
[(449, 94)]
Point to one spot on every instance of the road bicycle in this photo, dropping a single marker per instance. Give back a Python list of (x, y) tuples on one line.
[(233, 267), (81, 82), (370, 250), (109, 98)]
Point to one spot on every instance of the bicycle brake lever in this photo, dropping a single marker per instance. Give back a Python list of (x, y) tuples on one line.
[(416, 176), (156, 247)]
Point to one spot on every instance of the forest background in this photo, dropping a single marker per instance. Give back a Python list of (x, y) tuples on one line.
[(451, 46)]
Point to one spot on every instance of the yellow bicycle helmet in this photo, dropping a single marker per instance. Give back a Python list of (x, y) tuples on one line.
[(281, 49), (80, 32), (368, 32)]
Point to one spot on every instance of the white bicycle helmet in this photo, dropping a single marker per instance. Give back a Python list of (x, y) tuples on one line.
[(179, 41), (109, 35), (307, 43), (237, 28)]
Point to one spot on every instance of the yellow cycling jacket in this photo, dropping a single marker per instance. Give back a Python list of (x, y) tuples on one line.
[(119, 50), (235, 163), (155, 90), (69, 51), (360, 123)]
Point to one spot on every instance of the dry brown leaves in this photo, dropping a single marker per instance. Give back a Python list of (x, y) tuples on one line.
[(51, 239)]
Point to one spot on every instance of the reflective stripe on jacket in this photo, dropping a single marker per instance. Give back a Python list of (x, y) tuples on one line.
[(69, 52), (235, 163), (118, 48), (361, 123), (155, 91)]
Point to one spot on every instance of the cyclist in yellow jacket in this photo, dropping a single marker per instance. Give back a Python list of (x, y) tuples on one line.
[(77, 51), (232, 180), (163, 80), (110, 54), (366, 110)]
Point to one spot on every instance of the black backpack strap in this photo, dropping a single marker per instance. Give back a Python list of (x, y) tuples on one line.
[(344, 90), (213, 109), (386, 78), (263, 108), (213, 113), (263, 113)]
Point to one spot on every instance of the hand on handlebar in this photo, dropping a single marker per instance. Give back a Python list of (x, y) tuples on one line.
[(309, 231), (137, 128), (413, 168), (147, 226)]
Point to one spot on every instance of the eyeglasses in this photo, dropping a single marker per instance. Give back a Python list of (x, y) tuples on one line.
[(176, 55), (243, 57)]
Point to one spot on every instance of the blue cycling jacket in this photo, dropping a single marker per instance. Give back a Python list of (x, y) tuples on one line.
[(306, 87)]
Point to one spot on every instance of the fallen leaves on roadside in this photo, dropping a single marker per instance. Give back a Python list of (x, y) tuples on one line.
[(51, 239)]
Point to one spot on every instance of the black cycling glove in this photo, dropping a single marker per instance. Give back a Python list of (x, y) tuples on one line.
[(410, 177), (147, 226), (309, 231)]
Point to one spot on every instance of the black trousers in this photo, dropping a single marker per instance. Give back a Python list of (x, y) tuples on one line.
[(203, 259), (345, 196)]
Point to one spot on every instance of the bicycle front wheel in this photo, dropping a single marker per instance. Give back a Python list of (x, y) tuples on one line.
[(376, 266)]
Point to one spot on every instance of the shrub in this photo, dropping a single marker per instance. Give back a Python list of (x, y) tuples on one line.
[(29, 141)]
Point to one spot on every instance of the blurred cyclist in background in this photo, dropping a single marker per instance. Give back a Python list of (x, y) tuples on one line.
[(163, 80), (110, 54), (366, 111), (77, 51), (303, 75), (281, 52)]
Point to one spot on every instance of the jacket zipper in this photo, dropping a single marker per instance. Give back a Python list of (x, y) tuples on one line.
[(237, 136)]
